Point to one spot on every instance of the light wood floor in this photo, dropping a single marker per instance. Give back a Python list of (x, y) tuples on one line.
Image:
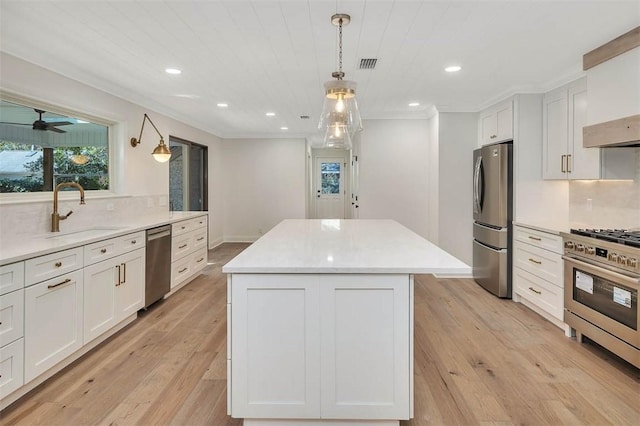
[(478, 360)]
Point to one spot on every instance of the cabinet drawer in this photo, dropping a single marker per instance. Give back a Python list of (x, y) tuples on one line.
[(181, 245), (11, 316), (198, 222), (180, 271), (199, 238), (11, 367), (542, 263), (131, 242), (11, 277), (102, 250), (538, 238), (52, 265), (198, 260), (182, 227), (541, 293)]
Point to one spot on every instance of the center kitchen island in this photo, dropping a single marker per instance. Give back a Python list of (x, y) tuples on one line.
[(320, 322)]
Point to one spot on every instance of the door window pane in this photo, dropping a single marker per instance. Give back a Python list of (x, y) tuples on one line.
[(330, 178), (187, 176)]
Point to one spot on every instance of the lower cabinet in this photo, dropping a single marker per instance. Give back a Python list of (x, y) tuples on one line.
[(321, 346), (11, 367), (114, 289), (53, 322), (537, 272)]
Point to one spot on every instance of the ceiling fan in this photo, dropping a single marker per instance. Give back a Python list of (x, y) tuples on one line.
[(40, 124)]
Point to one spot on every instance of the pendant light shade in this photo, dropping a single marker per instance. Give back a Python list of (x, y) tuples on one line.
[(340, 118)]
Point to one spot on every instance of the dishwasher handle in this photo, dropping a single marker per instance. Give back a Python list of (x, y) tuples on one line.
[(154, 234)]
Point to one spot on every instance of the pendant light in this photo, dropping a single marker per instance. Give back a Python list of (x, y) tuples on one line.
[(340, 118)]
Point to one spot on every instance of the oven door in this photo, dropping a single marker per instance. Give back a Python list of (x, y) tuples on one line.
[(607, 299)]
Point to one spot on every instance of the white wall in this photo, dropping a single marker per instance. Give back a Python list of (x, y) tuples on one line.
[(457, 138), (140, 176), (264, 183), (394, 172)]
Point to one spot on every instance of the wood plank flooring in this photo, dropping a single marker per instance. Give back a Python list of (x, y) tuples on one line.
[(478, 360)]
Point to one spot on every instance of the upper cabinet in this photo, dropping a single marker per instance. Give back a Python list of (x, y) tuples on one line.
[(564, 114), (613, 77), (496, 123)]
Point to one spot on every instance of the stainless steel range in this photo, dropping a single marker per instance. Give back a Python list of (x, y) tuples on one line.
[(601, 285)]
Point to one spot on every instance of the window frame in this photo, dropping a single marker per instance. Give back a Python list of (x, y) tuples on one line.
[(114, 133)]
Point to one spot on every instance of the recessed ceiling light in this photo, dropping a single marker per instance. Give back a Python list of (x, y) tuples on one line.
[(284, 128), (173, 71), (187, 96), (453, 68), (414, 104), (223, 105), (270, 114)]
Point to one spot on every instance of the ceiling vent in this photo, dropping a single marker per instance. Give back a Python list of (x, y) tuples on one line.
[(304, 117), (368, 63)]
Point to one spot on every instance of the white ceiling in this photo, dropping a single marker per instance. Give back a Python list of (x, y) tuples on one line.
[(261, 56)]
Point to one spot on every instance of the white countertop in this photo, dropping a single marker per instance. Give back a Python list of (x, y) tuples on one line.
[(344, 246), (26, 247)]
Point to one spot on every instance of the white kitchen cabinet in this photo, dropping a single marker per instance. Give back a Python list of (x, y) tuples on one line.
[(188, 250), (53, 322), (11, 367), (496, 123), (538, 272), (11, 316), (564, 157), (11, 277), (344, 346), (114, 289)]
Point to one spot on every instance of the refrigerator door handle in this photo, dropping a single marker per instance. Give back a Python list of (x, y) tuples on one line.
[(478, 187)]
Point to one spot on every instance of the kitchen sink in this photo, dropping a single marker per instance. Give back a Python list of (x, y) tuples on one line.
[(84, 233)]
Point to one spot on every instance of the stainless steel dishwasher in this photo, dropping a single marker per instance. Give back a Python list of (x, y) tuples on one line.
[(158, 264)]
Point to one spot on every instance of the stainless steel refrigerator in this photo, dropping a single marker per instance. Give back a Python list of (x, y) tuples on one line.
[(492, 215)]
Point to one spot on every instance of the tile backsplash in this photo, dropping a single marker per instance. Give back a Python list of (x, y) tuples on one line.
[(606, 204), (23, 219)]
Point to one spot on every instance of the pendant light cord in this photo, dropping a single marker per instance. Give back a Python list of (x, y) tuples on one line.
[(340, 48)]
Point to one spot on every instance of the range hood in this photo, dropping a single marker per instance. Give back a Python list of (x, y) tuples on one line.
[(613, 91)]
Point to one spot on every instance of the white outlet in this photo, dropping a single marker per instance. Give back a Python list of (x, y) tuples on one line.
[(589, 204), (162, 201), (149, 202), (110, 207)]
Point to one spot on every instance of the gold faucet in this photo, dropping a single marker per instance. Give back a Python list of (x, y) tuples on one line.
[(55, 216)]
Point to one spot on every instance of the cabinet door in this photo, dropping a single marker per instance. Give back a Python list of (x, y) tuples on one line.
[(504, 122), (584, 163), (554, 135), (130, 292), (275, 346), (366, 346), (100, 280), (488, 128), (53, 322), (11, 367)]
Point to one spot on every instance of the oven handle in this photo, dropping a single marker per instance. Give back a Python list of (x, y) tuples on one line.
[(606, 272)]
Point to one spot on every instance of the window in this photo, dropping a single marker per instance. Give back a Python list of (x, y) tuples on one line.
[(40, 149), (330, 173), (187, 176)]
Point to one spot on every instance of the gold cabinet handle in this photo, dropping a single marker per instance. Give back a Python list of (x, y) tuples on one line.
[(569, 163), (181, 247), (103, 251), (118, 268), (133, 241), (124, 272), (58, 264), (201, 238), (534, 290), (562, 159), (182, 270), (50, 286), (537, 262), (493, 136), (535, 238), (200, 260)]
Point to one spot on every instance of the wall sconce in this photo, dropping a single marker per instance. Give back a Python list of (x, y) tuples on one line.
[(160, 153)]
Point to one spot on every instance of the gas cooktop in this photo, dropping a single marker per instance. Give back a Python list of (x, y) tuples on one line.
[(620, 236)]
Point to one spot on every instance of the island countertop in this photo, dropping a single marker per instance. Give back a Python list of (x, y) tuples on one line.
[(335, 246)]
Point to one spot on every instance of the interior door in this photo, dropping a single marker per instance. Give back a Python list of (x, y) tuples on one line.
[(329, 187)]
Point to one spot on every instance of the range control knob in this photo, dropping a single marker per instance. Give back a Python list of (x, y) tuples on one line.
[(580, 248), (622, 260), (613, 257), (569, 244), (590, 250), (632, 262)]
